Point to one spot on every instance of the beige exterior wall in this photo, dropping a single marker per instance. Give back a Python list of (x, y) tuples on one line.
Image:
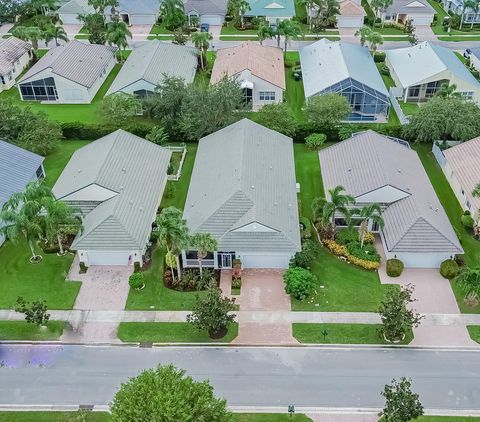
[(19, 66), (260, 85)]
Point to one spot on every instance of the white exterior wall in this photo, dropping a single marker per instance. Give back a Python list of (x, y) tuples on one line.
[(475, 61), (260, 85), (457, 188), (215, 20), (420, 260), (274, 19), (421, 19), (93, 257), (384, 195), (18, 69), (70, 19), (258, 260), (344, 21), (137, 86)]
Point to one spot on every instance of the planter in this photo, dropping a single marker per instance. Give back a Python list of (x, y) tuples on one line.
[(393, 341), (36, 259), (218, 334), (65, 253)]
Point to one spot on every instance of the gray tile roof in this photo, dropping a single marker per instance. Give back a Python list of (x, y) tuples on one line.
[(369, 161), (11, 49), (79, 62), (325, 63), (410, 7), (153, 60), (245, 174), (76, 7), (206, 7), (136, 171), (17, 167)]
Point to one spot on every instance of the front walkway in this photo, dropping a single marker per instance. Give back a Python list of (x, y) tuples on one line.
[(433, 295), (263, 290)]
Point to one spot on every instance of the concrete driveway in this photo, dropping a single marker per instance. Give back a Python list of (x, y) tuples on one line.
[(348, 35), (425, 33), (72, 30)]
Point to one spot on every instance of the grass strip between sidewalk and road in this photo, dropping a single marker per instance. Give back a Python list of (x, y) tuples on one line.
[(169, 332), (342, 334), (474, 331), (22, 330)]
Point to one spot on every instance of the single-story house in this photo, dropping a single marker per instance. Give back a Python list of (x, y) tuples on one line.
[(148, 64), (400, 11), (352, 14), (15, 55), (138, 12), (461, 166), (206, 11), (70, 73), (258, 69), (349, 70), (456, 7), (18, 167), (117, 182), (377, 169), (475, 57), (421, 70), (243, 192), (272, 10)]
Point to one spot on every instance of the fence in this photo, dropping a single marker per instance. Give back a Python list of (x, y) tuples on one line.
[(183, 149), (395, 92)]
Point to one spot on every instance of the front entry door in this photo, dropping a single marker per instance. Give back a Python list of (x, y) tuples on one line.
[(226, 259)]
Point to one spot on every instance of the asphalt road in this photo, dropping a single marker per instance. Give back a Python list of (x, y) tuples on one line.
[(316, 377)]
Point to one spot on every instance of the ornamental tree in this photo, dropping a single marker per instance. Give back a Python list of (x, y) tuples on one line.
[(166, 394), (402, 405), (326, 111), (299, 282), (35, 313)]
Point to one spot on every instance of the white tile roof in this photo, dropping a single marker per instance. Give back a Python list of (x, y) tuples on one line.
[(11, 49)]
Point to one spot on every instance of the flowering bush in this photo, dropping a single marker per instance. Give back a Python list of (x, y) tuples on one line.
[(335, 248)]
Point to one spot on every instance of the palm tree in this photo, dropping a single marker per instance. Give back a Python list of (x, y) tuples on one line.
[(475, 7), (446, 90), (370, 212), (55, 33), (201, 42), (363, 33), (374, 39), (264, 32), (308, 4), (325, 210), (172, 13), (29, 33), (117, 33), (60, 219), (21, 214), (98, 6), (204, 243), (42, 6), (476, 191), (467, 4), (289, 29), (172, 233), (237, 9), (469, 281)]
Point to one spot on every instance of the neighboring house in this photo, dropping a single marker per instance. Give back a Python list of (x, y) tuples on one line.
[(272, 10), (259, 70), (348, 70), (15, 55), (70, 73), (475, 58), (18, 167), (147, 66), (206, 11), (352, 14), (243, 192), (138, 12), (117, 182), (456, 7), (418, 11), (422, 69), (462, 169), (377, 169)]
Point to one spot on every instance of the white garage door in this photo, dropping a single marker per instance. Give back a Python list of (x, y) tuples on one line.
[(68, 19), (142, 19), (108, 258), (211, 19), (422, 260), (421, 20), (349, 21), (265, 261)]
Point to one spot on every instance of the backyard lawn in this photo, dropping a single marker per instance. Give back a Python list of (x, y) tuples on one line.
[(86, 113), (408, 108), (294, 94), (341, 286), (202, 77), (21, 330), (342, 334), (169, 332)]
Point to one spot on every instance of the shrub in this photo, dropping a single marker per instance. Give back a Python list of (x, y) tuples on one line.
[(299, 282), (345, 132), (385, 70), (367, 253), (315, 140), (379, 57), (460, 260), (306, 256), (369, 238), (80, 130), (83, 267), (467, 221), (345, 236), (335, 248), (394, 267), (368, 265), (136, 280), (449, 269), (136, 267), (236, 283)]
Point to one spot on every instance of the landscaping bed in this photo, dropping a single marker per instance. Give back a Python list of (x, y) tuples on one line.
[(22, 330), (342, 334), (169, 332)]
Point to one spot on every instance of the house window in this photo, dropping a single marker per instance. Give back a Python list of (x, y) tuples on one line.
[(467, 95), (17, 62), (39, 173), (2, 79), (432, 88), (469, 205), (414, 91), (463, 192), (267, 96)]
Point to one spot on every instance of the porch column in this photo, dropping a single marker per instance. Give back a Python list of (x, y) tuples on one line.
[(405, 95), (215, 260)]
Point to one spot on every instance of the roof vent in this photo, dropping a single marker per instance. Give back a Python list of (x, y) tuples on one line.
[(275, 203), (436, 209), (124, 169), (271, 167), (130, 202), (349, 170), (399, 170), (252, 187), (141, 209)]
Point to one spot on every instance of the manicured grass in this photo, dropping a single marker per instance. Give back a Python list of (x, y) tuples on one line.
[(437, 28), (202, 77), (57, 160), (159, 28), (86, 113), (459, 38), (270, 417), (229, 29), (387, 79), (165, 37), (474, 331), (342, 334), (409, 108), (294, 94), (45, 280), (54, 416), (169, 332), (390, 31), (447, 419), (345, 286), (21, 330), (386, 39)]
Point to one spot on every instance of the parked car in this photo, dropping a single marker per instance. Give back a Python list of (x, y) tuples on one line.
[(204, 27)]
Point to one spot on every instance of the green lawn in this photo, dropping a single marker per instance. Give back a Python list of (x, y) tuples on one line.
[(346, 287), (474, 331), (56, 161), (169, 332), (159, 28), (389, 30), (342, 334), (408, 108), (21, 330), (270, 417), (229, 29), (86, 113), (45, 280), (294, 94), (447, 419), (440, 12), (458, 38), (454, 212), (387, 79)]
